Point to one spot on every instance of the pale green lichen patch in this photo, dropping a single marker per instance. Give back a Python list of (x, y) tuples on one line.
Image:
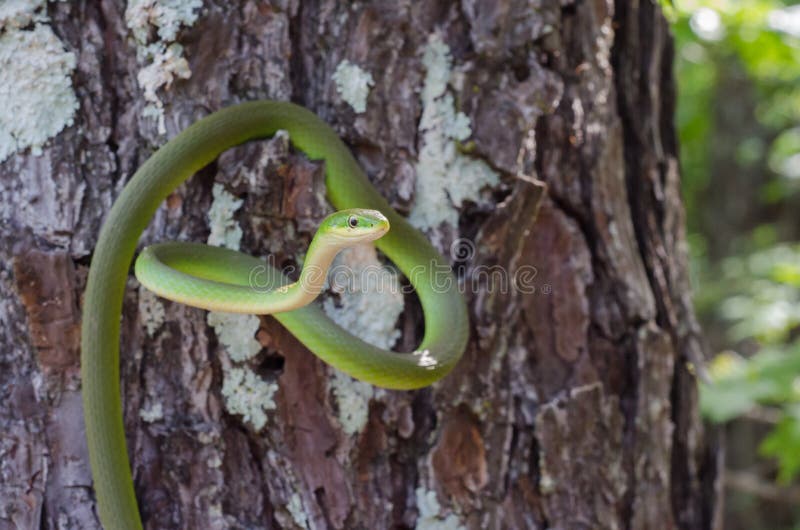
[(445, 177), (152, 414), (19, 13), (36, 96), (244, 392), (353, 84), (166, 65), (352, 401), (429, 513), (165, 58), (214, 461), (547, 484), (167, 16), (225, 231), (370, 300), (295, 508), (236, 333), (370, 303), (151, 311), (248, 395)]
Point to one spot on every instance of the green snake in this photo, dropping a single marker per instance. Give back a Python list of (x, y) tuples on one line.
[(188, 272)]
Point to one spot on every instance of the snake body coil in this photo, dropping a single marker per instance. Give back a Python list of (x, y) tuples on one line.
[(446, 323)]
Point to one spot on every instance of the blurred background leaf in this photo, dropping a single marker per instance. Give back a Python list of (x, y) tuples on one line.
[(738, 72)]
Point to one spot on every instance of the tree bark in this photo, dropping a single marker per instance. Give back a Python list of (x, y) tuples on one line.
[(575, 405)]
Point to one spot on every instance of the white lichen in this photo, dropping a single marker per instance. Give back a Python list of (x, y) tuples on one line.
[(152, 414), (225, 231), (248, 395), (166, 65), (167, 16), (445, 177), (36, 96), (546, 484), (370, 302), (429, 513), (19, 13), (295, 508), (215, 517), (206, 437), (164, 58), (214, 461), (244, 392), (151, 311), (353, 84), (236, 333), (352, 401)]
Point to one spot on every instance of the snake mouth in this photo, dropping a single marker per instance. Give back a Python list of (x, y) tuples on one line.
[(373, 232), (376, 222), (381, 224)]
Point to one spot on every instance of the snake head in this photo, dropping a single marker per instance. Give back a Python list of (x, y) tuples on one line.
[(355, 226)]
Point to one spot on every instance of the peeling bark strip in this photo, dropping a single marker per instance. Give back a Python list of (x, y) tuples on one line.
[(573, 407), (45, 282)]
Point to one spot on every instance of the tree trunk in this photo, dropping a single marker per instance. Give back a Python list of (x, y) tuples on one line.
[(575, 405)]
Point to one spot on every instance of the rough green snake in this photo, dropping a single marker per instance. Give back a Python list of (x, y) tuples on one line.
[(230, 275)]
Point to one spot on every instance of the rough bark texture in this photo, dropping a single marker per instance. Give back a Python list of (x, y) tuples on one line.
[(575, 405)]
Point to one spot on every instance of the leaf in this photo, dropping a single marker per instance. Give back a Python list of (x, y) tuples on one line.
[(783, 444), (769, 377)]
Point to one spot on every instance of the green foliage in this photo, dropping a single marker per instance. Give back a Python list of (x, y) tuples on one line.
[(761, 302), (784, 156), (719, 39), (782, 444), (767, 378), (751, 296)]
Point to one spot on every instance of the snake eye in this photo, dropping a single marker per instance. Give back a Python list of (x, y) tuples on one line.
[(352, 221)]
